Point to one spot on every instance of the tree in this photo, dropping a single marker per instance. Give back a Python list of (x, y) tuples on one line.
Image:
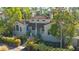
[(2, 27), (63, 25), (13, 14), (27, 13)]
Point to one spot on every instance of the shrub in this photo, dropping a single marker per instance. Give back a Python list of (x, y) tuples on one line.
[(70, 47), (29, 44), (3, 48), (41, 47), (33, 45), (17, 42), (23, 39), (11, 41)]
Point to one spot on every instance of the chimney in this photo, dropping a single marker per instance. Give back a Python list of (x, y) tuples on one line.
[(33, 14)]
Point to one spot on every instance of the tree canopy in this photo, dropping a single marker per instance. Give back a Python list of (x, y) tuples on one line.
[(63, 20), (13, 14)]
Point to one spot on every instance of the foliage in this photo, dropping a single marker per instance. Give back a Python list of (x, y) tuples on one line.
[(11, 16), (31, 42), (4, 48), (10, 41), (33, 45), (28, 13), (43, 47), (70, 47), (2, 27), (17, 42), (64, 21), (55, 32), (23, 39)]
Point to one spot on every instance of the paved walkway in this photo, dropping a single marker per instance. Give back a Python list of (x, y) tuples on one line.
[(19, 48)]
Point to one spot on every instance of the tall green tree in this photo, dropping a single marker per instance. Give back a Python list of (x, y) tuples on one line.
[(13, 14), (63, 21), (27, 13)]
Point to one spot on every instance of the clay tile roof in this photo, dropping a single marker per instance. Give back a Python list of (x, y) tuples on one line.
[(39, 17)]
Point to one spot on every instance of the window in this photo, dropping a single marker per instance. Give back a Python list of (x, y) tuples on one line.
[(48, 33), (37, 20), (20, 29), (33, 28), (43, 20), (32, 20), (17, 27)]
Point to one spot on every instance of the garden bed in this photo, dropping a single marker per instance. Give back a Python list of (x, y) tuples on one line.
[(11, 42), (32, 45)]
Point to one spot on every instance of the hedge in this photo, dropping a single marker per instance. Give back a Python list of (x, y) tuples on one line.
[(10, 41)]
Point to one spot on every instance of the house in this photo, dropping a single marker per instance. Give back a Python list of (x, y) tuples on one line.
[(37, 25)]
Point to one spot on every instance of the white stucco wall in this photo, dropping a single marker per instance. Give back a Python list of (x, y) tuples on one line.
[(20, 33), (44, 34), (46, 28), (49, 38)]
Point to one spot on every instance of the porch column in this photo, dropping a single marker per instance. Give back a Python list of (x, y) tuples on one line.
[(35, 28)]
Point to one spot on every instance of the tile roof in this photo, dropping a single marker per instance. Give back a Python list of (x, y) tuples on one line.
[(39, 17)]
